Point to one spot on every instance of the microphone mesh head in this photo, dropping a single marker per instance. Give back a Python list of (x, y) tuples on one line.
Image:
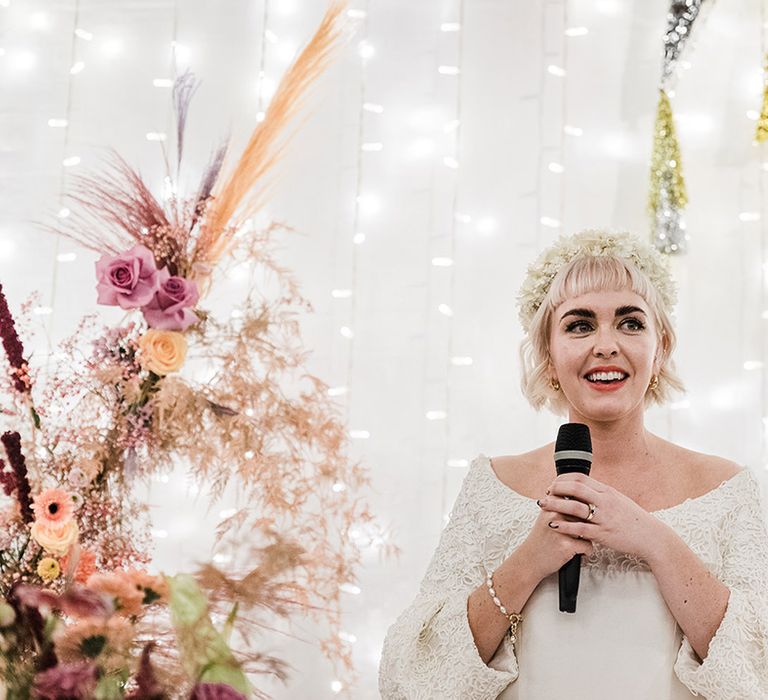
[(573, 436)]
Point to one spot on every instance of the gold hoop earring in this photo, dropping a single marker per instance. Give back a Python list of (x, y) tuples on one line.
[(654, 383), (554, 384)]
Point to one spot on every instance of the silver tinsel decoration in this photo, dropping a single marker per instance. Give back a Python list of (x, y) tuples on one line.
[(667, 196), (668, 225), (680, 18)]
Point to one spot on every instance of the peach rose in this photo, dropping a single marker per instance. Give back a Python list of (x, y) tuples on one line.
[(162, 352), (55, 539)]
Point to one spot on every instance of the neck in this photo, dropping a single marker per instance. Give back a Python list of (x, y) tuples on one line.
[(618, 445)]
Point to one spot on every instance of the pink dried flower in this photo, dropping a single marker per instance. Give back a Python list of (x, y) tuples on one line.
[(53, 507), (215, 691), (75, 681), (170, 310), (128, 280)]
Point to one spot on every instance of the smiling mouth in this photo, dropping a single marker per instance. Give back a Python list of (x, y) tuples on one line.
[(607, 381)]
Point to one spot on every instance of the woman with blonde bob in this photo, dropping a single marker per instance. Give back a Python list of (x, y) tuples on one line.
[(673, 598)]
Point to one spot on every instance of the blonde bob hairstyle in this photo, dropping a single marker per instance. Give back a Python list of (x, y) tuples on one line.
[(581, 275)]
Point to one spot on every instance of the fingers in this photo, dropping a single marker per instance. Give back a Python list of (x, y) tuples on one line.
[(577, 529), (574, 489), (576, 509)]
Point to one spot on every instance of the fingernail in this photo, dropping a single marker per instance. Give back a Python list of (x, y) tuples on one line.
[(553, 525)]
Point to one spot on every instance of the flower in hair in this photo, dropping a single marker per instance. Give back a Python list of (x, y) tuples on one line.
[(592, 243)]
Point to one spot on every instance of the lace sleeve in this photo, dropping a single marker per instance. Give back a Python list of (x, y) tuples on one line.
[(429, 652), (736, 666)]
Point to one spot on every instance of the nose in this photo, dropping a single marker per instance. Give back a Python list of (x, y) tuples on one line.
[(605, 344)]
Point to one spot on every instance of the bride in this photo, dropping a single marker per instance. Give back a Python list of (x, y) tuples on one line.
[(673, 600)]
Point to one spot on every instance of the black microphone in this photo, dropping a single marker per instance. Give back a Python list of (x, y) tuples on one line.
[(573, 453)]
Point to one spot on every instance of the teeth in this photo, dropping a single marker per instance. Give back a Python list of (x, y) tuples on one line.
[(605, 376)]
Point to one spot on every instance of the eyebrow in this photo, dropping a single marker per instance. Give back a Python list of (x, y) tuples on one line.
[(588, 313)]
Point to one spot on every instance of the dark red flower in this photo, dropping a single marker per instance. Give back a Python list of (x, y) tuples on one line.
[(75, 681), (13, 347), (12, 443), (215, 691)]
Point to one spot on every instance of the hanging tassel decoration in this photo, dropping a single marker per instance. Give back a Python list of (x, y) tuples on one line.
[(668, 195), (761, 133)]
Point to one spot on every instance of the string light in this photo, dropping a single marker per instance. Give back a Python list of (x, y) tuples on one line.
[(458, 463)]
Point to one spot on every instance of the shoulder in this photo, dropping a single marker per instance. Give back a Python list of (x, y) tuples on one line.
[(705, 471), (525, 472)]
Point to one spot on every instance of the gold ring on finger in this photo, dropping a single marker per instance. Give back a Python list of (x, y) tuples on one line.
[(592, 510)]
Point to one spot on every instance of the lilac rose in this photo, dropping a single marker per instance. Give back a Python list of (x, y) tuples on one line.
[(128, 280), (169, 308)]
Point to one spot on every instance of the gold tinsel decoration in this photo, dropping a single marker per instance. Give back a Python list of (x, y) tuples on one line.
[(761, 133), (668, 195)]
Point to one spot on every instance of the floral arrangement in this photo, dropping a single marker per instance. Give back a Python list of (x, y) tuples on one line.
[(81, 614), (543, 270)]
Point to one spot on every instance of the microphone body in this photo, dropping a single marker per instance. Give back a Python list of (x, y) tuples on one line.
[(573, 453)]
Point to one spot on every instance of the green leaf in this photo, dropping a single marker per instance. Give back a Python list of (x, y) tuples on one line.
[(205, 654), (109, 688)]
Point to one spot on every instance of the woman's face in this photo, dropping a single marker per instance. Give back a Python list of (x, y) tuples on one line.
[(602, 349)]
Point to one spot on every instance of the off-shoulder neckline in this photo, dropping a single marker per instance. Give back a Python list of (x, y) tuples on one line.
[(721, 486)]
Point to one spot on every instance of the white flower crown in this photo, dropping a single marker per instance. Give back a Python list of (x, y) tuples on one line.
[(592, 243)]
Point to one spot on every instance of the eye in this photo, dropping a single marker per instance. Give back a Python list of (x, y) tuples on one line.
[(635, 324), (578, 327)]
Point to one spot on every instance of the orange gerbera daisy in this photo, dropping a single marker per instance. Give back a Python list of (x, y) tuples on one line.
[(53, 507)]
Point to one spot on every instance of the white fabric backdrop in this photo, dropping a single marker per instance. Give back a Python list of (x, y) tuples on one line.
[(485, 214)]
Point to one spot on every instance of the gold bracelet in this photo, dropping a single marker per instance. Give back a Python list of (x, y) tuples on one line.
[(514, 618)]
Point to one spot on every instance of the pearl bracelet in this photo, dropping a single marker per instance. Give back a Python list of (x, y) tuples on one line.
[(514, 618)]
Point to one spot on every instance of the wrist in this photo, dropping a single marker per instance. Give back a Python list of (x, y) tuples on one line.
[(662, 540), (519, 566)]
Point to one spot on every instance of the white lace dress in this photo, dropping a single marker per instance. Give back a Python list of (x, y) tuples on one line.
[(622, 642)]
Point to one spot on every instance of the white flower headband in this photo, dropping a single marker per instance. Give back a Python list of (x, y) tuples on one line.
[(592, 243)]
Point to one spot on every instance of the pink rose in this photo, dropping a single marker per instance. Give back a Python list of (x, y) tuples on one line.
[(128, 280), (169, 309)]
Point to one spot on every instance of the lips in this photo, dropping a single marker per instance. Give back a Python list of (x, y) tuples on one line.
[(608, 386)]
